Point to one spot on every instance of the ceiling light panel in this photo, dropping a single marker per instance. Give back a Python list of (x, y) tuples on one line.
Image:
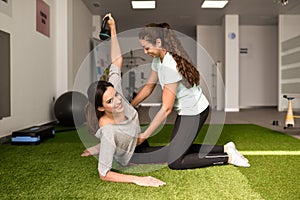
[(214, 3), (143, 4)]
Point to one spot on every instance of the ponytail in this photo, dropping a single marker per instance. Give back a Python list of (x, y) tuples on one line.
[(172, 44)]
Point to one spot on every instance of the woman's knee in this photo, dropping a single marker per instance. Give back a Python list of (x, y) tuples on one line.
[(176, 165)]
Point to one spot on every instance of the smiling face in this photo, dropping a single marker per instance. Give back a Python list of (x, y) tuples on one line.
[(150, 49), (112, 102)]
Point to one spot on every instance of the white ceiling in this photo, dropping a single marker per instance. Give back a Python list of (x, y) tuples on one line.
[(184, 15)]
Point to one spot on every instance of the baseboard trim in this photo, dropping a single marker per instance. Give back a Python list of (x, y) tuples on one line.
[(232, 110)]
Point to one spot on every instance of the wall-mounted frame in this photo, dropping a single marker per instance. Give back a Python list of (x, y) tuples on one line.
[(6, 7), (43, 17), (4, 74)]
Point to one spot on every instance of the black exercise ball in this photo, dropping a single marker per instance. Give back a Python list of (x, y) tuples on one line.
[(69, 108)]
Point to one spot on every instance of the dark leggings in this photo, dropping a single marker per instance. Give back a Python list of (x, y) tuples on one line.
[(181, 153)]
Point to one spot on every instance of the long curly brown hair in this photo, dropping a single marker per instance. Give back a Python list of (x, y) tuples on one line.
[(172, 44)]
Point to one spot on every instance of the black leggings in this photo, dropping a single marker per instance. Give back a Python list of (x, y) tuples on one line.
[(181, 153)]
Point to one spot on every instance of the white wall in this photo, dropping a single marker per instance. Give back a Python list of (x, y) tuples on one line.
[(288, 28), (259, 67), (211, 40), (32, 67), (81, 35), (43, 68), (73, 46)]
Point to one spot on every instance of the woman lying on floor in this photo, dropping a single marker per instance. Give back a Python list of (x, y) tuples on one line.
[(119, 132)]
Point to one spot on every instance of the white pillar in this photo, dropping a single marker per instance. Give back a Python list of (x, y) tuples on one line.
[(231, 63), (61, 18)]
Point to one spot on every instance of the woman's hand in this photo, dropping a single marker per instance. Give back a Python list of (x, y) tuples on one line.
[(86, 153), (111, 22), (141, 139), (94, 150), (148, 181), (126, 178)]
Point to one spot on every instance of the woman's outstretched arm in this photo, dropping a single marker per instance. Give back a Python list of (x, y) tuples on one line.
[(138, 180), (116, 56)]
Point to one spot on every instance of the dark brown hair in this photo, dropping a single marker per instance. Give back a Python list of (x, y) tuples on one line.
[(100, 89), (90, 112), (171, 43)]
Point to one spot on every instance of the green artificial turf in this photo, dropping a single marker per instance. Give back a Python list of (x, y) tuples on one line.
[(55, 170)]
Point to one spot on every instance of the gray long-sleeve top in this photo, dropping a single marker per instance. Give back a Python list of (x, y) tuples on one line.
[(118, 141)]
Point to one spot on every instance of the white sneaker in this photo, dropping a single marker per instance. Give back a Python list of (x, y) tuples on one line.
[(236, 159), (231, 145)]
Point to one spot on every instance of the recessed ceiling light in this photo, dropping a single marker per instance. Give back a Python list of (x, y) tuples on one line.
[(143, 4), (96, 4), (214, 3)]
